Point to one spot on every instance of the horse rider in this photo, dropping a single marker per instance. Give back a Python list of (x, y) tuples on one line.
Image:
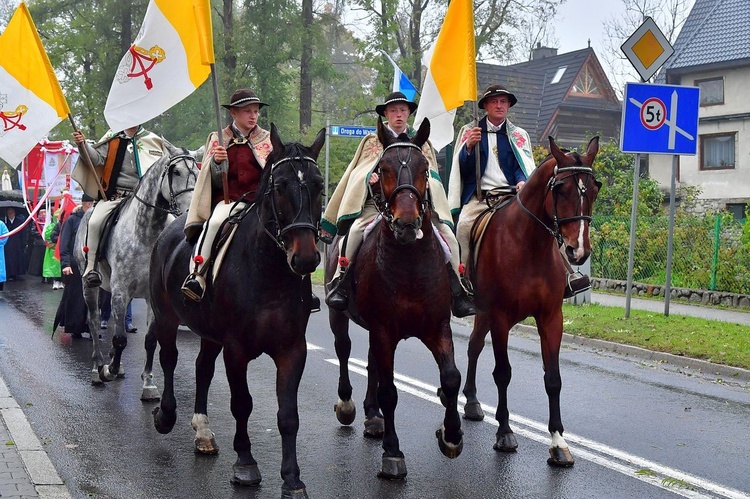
[(119, 159), (510, 164), (351, 209), (242, 158)]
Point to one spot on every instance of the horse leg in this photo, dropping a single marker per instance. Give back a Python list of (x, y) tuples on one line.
[(382, 351), (450, 436), (506, 440), (374, 426), (289, 367), (344, 408), (91, 297), (550, 334), (120, 339), (165, 415), (473, 409), (245, 468), (205, 363), (150, 391)]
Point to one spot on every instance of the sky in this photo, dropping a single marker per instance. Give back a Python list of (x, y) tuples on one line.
[(581, 20)]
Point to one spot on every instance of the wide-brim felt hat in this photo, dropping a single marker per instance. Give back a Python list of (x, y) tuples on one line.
[(85, 198), (393, 98), (494, 90), (242, 98)]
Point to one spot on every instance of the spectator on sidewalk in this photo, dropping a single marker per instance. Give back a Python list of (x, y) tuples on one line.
[(51, 268), (15, 247), (3, 241), (105, 307), (36, 246)]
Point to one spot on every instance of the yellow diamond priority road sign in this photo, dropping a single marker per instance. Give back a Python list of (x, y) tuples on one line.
[(647, 49)]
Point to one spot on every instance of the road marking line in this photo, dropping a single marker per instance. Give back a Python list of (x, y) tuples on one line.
[(598, 453)]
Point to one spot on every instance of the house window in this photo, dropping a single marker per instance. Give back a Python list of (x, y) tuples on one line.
[(559, 74), (717, 151), (585, 84), (737, 210), (712, 91)]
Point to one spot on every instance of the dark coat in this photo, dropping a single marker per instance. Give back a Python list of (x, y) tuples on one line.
[(15, 248), (68, 238), (71, 312)]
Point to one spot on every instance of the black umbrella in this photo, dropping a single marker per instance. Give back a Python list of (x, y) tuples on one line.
[(11, 204)]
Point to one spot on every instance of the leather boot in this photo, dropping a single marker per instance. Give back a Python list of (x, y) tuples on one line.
[(577, 283), (463, 304), (337, 298), (194, 287), (314, 302)]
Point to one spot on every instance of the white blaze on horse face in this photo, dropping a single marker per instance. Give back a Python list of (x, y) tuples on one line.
[(301, 176), (582, 226)]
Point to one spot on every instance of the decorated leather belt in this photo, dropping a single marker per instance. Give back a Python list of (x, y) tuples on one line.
[(120, 193)]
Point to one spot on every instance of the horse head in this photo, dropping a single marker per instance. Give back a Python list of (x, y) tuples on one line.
[(178, 179), (573, 189), (291, 200), (404, 173)]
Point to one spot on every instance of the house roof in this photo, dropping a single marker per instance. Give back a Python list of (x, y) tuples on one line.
[(538, 98), (715, 31)]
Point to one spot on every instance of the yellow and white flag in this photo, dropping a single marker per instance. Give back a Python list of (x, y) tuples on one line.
[(169, 59), (451, 73), (31, 100)]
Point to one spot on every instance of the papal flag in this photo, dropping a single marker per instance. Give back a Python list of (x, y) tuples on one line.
[(451, 73), (31, 100), (169, 59)]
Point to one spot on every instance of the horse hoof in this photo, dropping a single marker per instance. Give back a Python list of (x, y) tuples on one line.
[(95, 378), (247, 475), (150, 394), (345, 411), (105, 375), (294, 494), (448, 449), (162, 422), (473, 411), (206, 446), (374, 427), (506, 442), (561, 457), (393, 468), (121, 371)]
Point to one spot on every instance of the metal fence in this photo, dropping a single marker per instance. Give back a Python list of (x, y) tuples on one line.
[(708, 252)]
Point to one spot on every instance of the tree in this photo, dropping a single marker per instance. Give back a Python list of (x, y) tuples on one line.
[(669, 15)]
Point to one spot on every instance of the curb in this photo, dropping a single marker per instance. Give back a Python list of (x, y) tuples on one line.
[(36, 462)]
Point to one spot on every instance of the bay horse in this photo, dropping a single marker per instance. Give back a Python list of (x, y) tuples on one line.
[(162, 193), (400, 289), (259, 303), (520, 273)]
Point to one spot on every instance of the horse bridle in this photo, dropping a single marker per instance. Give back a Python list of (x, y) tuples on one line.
[(281, 231), (384, 205), (554, 181), (167, 173)]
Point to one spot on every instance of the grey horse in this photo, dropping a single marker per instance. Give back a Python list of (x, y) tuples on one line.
[(163, 193)]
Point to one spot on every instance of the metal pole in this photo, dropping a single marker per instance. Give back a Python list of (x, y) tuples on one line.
[(220, 136), (477, 166), (715, 259), (670, 247), (328, 134), (631, 251)]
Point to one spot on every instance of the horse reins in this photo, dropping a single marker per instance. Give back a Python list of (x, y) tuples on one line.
[(281, 231), (173, 208), (383, 205), (554, 181)]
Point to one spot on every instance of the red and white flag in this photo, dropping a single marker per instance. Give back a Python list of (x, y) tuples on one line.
[(169, 59)]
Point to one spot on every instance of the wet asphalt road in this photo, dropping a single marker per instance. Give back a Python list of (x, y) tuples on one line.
[(621, 415)]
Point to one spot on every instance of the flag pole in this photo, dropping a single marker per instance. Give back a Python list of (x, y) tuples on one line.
[(87, 159), (224, 178), (478, 168)]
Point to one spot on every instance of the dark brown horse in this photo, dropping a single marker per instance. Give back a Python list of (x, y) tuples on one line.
[(399, 290), (520, 273), (258, 303)]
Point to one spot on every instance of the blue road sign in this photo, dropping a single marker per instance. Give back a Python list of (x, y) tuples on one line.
[(351, 131), (660, 119)]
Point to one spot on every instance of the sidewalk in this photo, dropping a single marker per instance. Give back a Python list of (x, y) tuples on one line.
[(25, 468), (27, 472)]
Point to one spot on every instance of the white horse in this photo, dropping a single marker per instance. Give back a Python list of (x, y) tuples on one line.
[(163, 193)]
